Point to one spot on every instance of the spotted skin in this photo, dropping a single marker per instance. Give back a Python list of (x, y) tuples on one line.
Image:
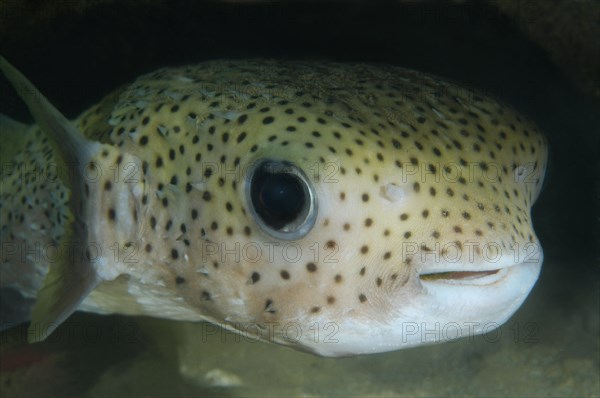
[(409, 170)]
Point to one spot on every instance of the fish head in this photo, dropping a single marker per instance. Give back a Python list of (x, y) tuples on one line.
[(368, 221)]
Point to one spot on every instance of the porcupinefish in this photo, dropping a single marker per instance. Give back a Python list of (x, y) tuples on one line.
[(337, 209)]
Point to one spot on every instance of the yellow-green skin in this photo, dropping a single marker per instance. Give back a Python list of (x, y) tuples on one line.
[(421, 186)]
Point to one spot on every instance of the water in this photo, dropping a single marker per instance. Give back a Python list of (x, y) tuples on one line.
[(549, 348)]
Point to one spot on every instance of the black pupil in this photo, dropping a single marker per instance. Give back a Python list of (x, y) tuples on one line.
[(278, 198)]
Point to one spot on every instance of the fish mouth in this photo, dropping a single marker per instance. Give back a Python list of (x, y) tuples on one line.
[(458, 275), (466, 277)]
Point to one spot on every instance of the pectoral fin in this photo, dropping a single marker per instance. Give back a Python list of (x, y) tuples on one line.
[(71, 276)]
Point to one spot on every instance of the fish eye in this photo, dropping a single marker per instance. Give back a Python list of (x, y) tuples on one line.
[(282, 200)]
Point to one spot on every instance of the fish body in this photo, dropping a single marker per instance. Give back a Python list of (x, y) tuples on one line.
[(338, 209)]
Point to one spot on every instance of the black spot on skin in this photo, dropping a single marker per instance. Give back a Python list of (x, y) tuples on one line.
[(255, 277), (180, 280), (362, 298), (311, 267), (268, 306), (174, 254), (285, 275)]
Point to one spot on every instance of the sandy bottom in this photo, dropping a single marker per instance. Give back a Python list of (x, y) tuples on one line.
[(549, 348)]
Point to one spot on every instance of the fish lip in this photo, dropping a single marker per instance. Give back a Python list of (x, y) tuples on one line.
[(467, 277), (470, 275), (464, 275)]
